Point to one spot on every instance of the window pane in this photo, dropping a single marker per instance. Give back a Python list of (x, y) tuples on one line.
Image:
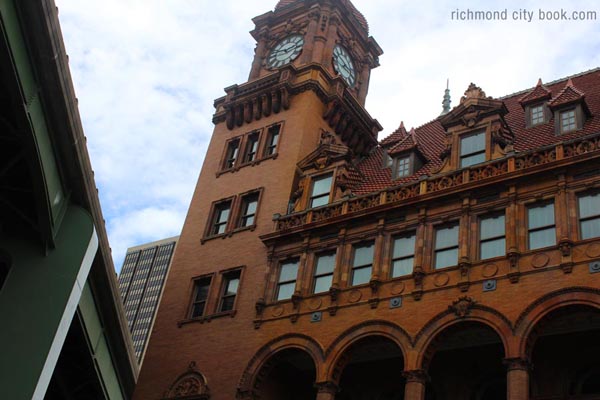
[(472, 160), (537, 115), (472, 144), (320, 201), (403, 167), (540, 216), (363, 255), (232, 286), (323, 283), (289, 271), (198, 309), (223, 214), (325, 264), (402, 267), (589, 205), (590, 228), (361, 275), (286, 290), (404, 246), (492, 227), (446, 237), (274, 139), (227, 303), (202, 290), (567, 119), (493, 248), (251, 207), (542, 238), (446, 258), (321, 186)]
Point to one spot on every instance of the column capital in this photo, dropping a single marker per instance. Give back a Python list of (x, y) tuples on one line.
[(517, 363), (327, 387), (416, 375)]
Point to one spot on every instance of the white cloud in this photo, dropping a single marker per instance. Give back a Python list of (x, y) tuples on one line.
[(147, 71)]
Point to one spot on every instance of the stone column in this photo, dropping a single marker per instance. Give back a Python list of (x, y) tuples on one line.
[(365, 75), (517, 378), (314, 17), (415, 384), (326, 390), (259, 53)]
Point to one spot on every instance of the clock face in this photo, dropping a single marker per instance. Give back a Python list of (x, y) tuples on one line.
[(342, 62), (285, 51)]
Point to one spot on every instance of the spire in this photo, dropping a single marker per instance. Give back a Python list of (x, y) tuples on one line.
[(446, 102)]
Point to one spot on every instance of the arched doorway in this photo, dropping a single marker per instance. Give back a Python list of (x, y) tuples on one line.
[(372, 369), (465, 362), (565, 354), (287, 375)]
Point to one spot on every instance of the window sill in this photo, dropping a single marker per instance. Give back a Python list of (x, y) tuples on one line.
[(207, 238), (491, 259), (206, 318), (229, 233), (532, 251), (251, 163), (244, 228), (447, 268)]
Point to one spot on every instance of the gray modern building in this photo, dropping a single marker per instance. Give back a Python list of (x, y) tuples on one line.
[(141, 282)]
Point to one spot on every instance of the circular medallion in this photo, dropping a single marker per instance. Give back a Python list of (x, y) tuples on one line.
[(343, 65), (490, 270), (593, 250), (441, 279), (315, 303), (354, 296), (397, 288), (277, 311), (285, 51), (540, 260)]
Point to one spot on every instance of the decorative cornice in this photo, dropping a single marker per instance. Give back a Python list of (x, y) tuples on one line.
[(510, 167), (271, 95)]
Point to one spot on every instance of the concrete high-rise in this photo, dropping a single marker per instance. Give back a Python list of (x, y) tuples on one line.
[(141, 283)]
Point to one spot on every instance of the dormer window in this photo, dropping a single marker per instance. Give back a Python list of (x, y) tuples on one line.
[(472, 149), (402, 167), (568, 122), (320, 191), (537, 114)]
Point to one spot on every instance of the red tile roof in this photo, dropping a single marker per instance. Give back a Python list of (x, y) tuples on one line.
[(396, 136), (431, 136), (408, 143), (538, 93), (568, 95), (357, 14)]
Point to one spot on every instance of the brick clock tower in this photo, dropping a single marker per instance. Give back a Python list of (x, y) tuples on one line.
[(284, 141)]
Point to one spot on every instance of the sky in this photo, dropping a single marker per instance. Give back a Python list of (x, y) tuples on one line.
[(146, 73)]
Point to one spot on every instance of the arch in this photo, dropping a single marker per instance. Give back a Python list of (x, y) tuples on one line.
[(470, 312), (252, 375), (543, 306), (376, 328)]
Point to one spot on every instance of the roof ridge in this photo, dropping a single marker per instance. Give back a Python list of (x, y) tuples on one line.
[(566, 78)]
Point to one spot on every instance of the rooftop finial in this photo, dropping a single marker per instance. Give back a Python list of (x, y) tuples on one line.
[(446, 102)]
